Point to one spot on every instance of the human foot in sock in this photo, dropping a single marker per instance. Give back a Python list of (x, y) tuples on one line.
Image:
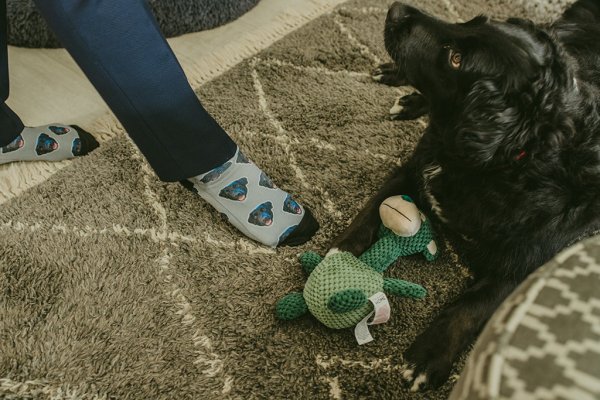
[(253, 204), (53, 142)]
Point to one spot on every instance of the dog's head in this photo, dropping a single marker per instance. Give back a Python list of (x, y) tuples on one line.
[(494, 84)]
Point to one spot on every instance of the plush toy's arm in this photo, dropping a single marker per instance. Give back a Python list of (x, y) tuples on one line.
[(403, 288)]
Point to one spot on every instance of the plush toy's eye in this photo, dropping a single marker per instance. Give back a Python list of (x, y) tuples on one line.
[(454, 58)]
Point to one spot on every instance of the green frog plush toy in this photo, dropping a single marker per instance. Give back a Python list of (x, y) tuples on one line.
[(339, 287)]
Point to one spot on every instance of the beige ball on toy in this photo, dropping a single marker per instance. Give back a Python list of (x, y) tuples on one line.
[(401, 216)]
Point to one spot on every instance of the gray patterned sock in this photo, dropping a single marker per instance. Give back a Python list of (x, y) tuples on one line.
[(253, 204), (54, 142)]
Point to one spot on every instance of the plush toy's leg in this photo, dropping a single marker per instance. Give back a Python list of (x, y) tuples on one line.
[(291, 307), (309, 261), (403, 288)]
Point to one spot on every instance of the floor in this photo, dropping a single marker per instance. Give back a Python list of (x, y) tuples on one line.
[(47, 86)]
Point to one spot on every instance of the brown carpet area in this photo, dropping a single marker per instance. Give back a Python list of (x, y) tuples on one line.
[(115, 285)]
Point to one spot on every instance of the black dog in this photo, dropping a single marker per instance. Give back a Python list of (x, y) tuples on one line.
[(14, 145), (262, 215), (236, 190), (59, 130), (291, 206), (76, 147), (216, 173), (45, 144), (510, 162)]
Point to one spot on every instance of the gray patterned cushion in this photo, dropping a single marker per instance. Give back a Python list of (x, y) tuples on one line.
[(544, 341)]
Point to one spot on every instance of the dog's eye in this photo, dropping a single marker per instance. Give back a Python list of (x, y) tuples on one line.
[(454, 59)]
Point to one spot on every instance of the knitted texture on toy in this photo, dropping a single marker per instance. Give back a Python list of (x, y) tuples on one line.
[(337, 273), (338, 288), (390, 247)]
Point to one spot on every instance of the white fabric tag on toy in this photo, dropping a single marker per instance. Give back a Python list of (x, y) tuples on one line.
[(381, 314)]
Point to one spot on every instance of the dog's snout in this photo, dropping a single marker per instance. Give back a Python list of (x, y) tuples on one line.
[(399, 11)]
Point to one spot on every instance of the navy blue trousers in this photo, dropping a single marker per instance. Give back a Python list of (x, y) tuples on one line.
[(119, 47)]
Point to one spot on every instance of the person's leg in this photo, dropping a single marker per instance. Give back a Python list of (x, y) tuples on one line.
[(128, 61), (119, 47), (19, 143)]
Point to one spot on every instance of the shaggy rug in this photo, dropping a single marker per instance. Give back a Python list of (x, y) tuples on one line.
[(115, 285), (27, 28)]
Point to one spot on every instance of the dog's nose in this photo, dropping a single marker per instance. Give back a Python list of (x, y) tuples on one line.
[(398, 11)]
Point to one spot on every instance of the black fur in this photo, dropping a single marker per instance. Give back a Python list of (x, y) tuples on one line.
[(516, 132)]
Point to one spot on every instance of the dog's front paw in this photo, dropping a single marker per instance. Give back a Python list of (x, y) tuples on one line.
[(388, 74), (426, 365), (409, 107), (355, 242)]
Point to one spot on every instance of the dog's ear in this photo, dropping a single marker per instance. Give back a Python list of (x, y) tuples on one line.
[(522, 22), (488, 129)]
